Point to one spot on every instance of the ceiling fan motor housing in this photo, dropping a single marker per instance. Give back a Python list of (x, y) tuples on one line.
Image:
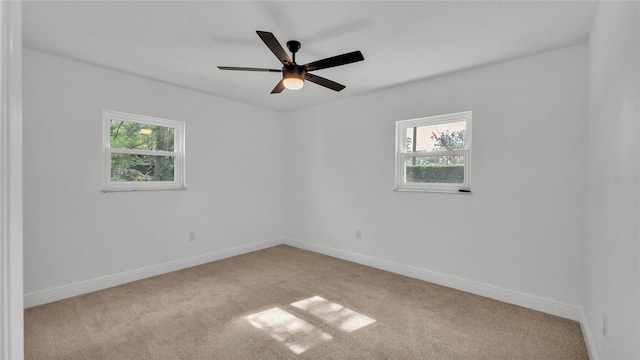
[(295, 71)]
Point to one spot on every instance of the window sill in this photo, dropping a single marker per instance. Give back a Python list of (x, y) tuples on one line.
[(466, 192), (130, 190)]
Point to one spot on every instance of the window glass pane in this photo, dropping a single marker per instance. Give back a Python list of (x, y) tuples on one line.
[(439, 137), (130, 167), (133, 135), (435, 169)]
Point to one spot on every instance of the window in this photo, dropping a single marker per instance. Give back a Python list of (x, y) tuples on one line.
[(142, 152), (434, 153)]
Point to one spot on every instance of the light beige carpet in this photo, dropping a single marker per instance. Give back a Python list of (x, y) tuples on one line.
[(287, 303)]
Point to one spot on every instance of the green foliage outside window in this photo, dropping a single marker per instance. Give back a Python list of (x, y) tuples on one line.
[(448, 141), (138, 136), (435, 173), (437, 169)]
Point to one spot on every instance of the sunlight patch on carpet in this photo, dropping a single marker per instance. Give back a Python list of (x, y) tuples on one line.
[(337, 315), (297, 334)]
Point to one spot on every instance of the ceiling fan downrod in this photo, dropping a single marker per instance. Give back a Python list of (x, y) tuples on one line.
[(293, 46)]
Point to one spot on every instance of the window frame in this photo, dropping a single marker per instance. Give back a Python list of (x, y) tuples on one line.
[(178, 153), (402, 154)]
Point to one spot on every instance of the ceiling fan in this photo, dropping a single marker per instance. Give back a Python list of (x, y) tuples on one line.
[(294, 75)]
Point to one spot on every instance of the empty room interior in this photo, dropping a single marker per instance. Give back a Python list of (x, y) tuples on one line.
[(453, 180)]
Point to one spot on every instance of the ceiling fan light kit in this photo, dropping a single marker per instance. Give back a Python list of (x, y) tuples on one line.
[(293, 79), (294, 75)]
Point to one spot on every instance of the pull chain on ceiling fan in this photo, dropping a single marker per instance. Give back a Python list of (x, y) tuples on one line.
[(294, 75)]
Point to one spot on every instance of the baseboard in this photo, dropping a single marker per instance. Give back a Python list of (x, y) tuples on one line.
[(508, 296), (67, 291), (588, 337)]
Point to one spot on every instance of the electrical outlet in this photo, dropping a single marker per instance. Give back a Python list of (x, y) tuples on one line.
[(192, 236), (358, 234), (605, 326)]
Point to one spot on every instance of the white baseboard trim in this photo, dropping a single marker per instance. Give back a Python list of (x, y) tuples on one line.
[(588, 336), (513, 297), (83, 287)]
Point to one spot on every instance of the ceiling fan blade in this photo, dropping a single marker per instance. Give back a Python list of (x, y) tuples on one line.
[(338, 60), (323, 82), (247, 69), (275, 47), (278, 89)]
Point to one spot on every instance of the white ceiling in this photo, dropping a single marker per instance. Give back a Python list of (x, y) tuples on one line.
[(182, 42)]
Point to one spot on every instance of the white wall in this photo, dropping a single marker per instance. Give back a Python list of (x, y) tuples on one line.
[(612, 278), (75, 233), (521, 230)]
